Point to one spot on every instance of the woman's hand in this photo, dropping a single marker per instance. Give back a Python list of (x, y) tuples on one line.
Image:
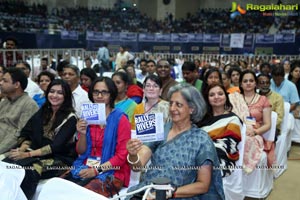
[(16, 154), (87, 173), (250, 131), (133, 146), (81, 126)]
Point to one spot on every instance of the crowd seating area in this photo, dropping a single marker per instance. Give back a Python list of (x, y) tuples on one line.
[(17, 16), (257, 185), (77, 56)]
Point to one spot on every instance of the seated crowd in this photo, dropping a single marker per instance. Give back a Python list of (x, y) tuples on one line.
[(44, 130), (17, 16)]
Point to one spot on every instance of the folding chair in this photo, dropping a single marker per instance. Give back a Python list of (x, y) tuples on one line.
[(233, 184), (281, 148), (259, 183)]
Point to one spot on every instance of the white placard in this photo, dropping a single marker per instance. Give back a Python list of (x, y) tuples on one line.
[(93, 113), (149, 127)]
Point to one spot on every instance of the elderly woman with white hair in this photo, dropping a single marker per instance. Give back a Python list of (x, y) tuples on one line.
[(186, 156)]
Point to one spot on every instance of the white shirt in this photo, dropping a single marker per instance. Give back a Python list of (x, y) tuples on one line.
[(122, 56), (32, 88), (80, 96)]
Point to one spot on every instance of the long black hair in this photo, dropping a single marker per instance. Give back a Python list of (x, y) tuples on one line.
[(64, 110)]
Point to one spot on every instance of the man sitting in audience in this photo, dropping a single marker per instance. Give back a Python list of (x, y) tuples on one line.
[(190, 74), (16, 108), (164, 73), (151, 67), (32, 88), (143, 73), (265, 68), (45, 66), (284, 87), (275, 99), (71, 75)]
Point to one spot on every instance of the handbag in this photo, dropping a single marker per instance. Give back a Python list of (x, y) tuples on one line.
[(108, 188)]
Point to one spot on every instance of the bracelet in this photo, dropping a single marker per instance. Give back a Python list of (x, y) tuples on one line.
[(29, 154), (99, 169), (133, 163)]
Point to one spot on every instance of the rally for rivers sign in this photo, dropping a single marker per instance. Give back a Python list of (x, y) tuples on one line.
[(149, 127), (93, 113)]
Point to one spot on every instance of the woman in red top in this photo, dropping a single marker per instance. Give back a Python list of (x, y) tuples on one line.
[(102, 148)]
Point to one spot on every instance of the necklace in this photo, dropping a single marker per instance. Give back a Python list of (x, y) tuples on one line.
[(249, 103), (151, 106)]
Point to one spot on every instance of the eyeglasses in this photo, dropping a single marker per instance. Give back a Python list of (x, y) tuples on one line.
[(103, 93), (148, 86)]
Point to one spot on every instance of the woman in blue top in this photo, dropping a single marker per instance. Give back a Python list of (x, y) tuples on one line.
[(187, 155), (43, 79)]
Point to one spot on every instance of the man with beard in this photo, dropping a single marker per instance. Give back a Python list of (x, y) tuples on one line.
[(276, 100)]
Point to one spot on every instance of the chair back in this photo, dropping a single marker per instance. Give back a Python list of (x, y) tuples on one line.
[(270, 134), (285, 118), (241, 145)]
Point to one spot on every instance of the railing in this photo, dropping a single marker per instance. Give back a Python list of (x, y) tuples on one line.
[(76, 56)]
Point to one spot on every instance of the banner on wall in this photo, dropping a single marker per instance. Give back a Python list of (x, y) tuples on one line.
[(69, 35), (265, 38), (212, 38), (111, 36), (197, 37), (248, 40), (146, 37), (237, 40), (225, 40), (285, 38), (131, 37), (160, 37), (94, 36), (179, 37)]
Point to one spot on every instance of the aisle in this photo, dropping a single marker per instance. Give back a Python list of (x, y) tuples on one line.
[(287, 185)]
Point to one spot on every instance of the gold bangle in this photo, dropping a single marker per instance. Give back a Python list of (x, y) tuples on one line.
[(133, 163)]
